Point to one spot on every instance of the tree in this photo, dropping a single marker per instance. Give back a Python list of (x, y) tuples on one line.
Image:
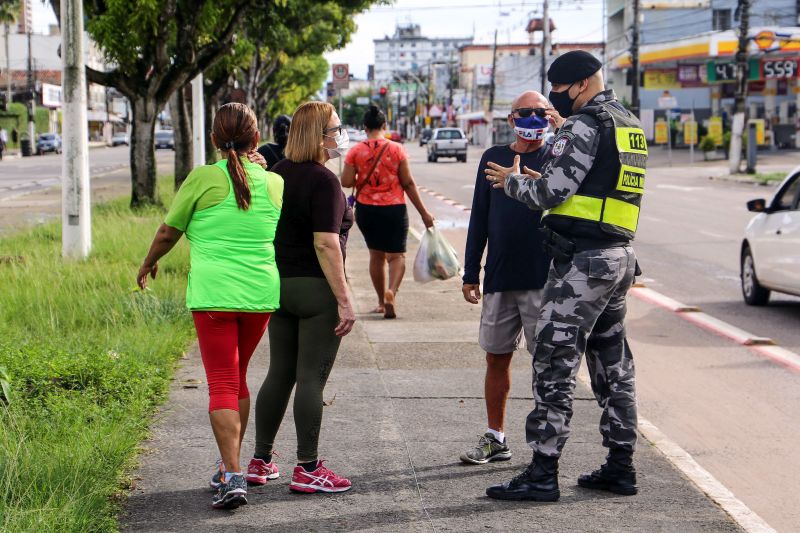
[(290, 36), (352, 112), (155, 47), (9, 11)]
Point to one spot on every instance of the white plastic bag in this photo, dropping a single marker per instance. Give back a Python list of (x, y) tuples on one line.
[(436, 258)]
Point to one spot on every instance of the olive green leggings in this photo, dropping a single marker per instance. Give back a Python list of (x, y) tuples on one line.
[(302, 349)]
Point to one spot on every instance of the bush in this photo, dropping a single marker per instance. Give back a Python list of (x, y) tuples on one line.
[(707, 144), (87, 359)]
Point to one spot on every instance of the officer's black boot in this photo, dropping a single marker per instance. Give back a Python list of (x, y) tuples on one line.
[(617, 475), (539, 482)]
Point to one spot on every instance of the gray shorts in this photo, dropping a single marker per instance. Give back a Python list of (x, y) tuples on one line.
[(505, 316)]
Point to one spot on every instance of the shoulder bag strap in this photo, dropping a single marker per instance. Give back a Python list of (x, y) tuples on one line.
[(363, 182)]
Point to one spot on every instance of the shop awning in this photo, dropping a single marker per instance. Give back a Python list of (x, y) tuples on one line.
[(711, 45)]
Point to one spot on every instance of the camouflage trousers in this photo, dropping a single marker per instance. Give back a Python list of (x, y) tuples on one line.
[(583, 311)]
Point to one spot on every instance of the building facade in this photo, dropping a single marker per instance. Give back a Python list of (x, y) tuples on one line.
[(687, 52), (408, 51), (45, 71)]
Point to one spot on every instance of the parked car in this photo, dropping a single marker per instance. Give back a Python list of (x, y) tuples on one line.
[(356, 136), (165, 139), (119, 139), (425, 136), (48, 142), (395, 136), (770, 253), (448, 142)]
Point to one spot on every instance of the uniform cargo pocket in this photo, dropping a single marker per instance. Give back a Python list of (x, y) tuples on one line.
[(604, 268)]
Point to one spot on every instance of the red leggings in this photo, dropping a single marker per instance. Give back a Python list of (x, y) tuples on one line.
[(227, 341)]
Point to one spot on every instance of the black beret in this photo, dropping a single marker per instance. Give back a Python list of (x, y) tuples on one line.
[(573, 66)]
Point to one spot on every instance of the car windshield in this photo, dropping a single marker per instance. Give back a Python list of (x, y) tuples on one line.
[(163, 134), (47, 137), (449, 134)]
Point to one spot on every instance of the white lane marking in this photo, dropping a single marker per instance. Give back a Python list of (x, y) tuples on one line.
[(681, 188), (702, 478), (716, 491), (653, 219), (715, 235), (415, 233), (468, 186)]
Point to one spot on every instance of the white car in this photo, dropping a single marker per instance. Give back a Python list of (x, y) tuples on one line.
[(770, 258), (356, 135)]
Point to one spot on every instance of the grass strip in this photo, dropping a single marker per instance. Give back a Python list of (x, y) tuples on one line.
[(88, 358)]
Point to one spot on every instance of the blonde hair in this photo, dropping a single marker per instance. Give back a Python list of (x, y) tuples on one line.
[(305, 134)]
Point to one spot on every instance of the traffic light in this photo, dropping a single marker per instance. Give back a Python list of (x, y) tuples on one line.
[(383, 91)]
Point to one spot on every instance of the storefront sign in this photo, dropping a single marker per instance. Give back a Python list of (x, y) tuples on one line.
[(690, 132), (51, 95), (661, 78), (715, 129), (661, 131), (777, 69), (692, 75)]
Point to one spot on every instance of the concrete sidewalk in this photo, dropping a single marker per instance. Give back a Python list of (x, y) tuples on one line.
[(406, 398)]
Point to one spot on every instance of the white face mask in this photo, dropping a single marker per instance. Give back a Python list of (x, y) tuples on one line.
[(342, 145)]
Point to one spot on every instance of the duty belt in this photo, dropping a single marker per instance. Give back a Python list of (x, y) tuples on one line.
[(563, 249)]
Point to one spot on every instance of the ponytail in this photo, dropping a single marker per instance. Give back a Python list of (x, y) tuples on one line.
[(241, 187), (236, 130)]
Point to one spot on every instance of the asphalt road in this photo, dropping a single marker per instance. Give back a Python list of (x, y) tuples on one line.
[(733, 410), (21, 176)]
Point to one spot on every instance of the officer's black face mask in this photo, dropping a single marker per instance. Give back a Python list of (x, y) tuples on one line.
[(562, 102)]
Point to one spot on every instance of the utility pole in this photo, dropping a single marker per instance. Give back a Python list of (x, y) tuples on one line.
[(8, 64), (198, 122), (492, 79), (32, 101), (490, 119), (450, 84), (545, 44), (76, 227), (735, 155), (635, 60), (340, 121)]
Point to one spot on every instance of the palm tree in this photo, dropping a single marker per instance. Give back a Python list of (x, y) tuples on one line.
[(9, 11)]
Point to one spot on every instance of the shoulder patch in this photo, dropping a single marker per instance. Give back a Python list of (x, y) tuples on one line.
[(561, 142)]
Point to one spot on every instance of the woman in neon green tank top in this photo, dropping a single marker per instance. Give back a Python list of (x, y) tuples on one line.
[(229, 212)]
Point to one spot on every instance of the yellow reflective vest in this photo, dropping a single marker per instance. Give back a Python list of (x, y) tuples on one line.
[(606, 205)]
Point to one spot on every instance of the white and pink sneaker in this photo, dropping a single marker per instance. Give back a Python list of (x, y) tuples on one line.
[(320, 480), (259, 472)]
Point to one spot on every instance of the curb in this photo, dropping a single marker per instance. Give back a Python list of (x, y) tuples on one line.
[(702, 478), (762, 346)]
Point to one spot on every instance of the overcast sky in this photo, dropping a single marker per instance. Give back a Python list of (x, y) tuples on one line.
[(576, 20)]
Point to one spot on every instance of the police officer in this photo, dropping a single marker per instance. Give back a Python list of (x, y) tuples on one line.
[(590, 192)]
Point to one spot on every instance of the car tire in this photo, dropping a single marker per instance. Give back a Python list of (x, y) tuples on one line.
[(462, 158), (752, 291), (434, 158)]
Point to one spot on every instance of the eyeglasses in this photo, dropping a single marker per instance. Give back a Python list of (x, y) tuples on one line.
[(525, 112), (338, 129)]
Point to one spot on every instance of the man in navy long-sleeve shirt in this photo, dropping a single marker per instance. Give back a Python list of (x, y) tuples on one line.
[(515, 270)]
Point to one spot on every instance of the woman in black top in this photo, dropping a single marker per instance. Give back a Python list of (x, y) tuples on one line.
[(273, 152), (315, 311)]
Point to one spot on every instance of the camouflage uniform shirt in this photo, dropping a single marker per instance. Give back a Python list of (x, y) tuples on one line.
[(571, 158)]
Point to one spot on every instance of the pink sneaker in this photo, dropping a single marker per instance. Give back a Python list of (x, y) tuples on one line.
[(320, 480), (258, 472)]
